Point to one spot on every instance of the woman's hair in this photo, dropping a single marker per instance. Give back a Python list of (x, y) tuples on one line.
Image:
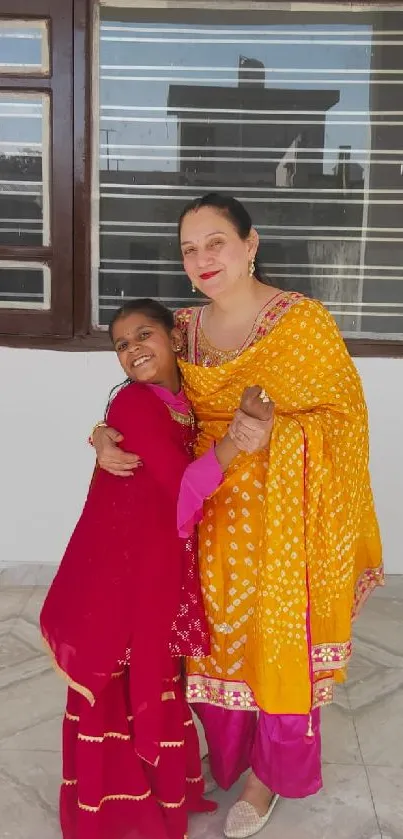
[(145, 306), (229, 207)]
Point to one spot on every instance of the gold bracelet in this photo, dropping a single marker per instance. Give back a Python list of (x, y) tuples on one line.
[(101, 424)]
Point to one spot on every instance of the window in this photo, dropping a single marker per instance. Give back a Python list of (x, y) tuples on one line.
[(114, 113), (298, 114), (24, 46), (36, 171)]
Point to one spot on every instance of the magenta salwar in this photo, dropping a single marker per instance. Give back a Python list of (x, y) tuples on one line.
[(277, 747)]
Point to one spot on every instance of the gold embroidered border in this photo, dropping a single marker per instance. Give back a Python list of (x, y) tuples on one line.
[(201, 689), (220, 693), (323, 693), (194, 780), (370, 579), (121, 797), (182, 419), (273, 311), (169, 694), (69, 783), (172, 805), (331, 656), (172, 744), (89, 738), (75, 685)]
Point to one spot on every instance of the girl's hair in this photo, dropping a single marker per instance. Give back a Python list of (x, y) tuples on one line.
[(145, 306), (229, 207)]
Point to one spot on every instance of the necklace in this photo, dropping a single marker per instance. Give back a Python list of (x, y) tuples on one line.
[(183, 419)]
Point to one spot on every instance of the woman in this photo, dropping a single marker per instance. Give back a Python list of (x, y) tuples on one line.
[(289, 544), (126, 605)]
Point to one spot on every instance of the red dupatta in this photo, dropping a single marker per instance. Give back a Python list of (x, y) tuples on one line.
[(119, 583)]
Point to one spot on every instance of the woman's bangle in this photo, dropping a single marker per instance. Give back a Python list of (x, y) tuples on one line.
[(101, 424)]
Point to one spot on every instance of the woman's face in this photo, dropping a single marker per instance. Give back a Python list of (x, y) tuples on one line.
[(215, 258)]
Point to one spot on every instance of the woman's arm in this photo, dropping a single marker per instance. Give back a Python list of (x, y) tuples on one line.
[(249, 431)]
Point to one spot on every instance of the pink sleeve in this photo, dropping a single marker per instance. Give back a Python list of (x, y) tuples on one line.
[(200, 479)]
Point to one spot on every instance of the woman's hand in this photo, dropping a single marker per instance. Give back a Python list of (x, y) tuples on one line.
[(256, 403), (252, 425), (110, 457)]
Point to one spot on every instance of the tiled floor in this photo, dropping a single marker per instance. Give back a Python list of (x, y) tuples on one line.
[(363, 733)]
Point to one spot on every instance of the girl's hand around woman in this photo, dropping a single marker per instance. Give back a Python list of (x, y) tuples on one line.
[(110, 457)]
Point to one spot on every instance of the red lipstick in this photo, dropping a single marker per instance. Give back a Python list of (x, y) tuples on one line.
[(208, 275)]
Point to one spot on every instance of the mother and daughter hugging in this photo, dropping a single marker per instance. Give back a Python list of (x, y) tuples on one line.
[(226, 543)]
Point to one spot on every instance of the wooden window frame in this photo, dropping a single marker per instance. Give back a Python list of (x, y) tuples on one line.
[(70, 327), (20, 323)]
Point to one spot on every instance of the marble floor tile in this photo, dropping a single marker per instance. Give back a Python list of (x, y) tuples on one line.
[(343, 811), (339, 738), (363, 726), (380, 624), (387, 791), (36, 699), (33, 604), (44, 736), (12, 601), (13, 651), (29, 788), (380, 731), (26, 574)]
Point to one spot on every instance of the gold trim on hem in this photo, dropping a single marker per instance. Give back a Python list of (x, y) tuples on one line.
[(169, 694), (84, 691), (89, 738), (172, 744), (69, 783), (71, 717), (121, 797), (172, 806), (194, 780)]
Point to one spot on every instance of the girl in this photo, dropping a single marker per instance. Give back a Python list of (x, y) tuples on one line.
[(126, 604)]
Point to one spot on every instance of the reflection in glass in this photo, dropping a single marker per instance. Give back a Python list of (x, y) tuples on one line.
[(24, 47), (24, 285), (298, 120), (24, 169)]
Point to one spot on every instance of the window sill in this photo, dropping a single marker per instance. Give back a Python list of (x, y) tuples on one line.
[(99, 342)]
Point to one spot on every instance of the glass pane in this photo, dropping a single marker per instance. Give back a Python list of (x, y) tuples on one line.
[(298, 114), (24, 169), (24, 47), (24, 285)]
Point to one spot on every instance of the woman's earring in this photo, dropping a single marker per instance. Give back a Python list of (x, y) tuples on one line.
[(252, 268), (193, 289)]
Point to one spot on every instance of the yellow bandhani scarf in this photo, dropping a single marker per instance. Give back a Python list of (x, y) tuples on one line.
[(289, 543)]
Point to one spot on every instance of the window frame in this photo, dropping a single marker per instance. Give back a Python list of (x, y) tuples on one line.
[(56, 83), (81, 335)]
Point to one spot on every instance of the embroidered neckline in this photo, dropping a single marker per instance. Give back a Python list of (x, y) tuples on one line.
[(182, 419), (202, 352)]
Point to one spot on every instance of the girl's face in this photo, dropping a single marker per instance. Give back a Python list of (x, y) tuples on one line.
[(215, 258), (146, 350)]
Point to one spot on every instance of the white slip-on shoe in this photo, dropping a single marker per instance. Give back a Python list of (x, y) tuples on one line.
[(243, 820)]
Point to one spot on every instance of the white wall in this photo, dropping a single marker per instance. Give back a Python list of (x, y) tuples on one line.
[(50, 401)]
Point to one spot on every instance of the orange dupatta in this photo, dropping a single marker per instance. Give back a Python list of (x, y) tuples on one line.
[(291, 531)]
